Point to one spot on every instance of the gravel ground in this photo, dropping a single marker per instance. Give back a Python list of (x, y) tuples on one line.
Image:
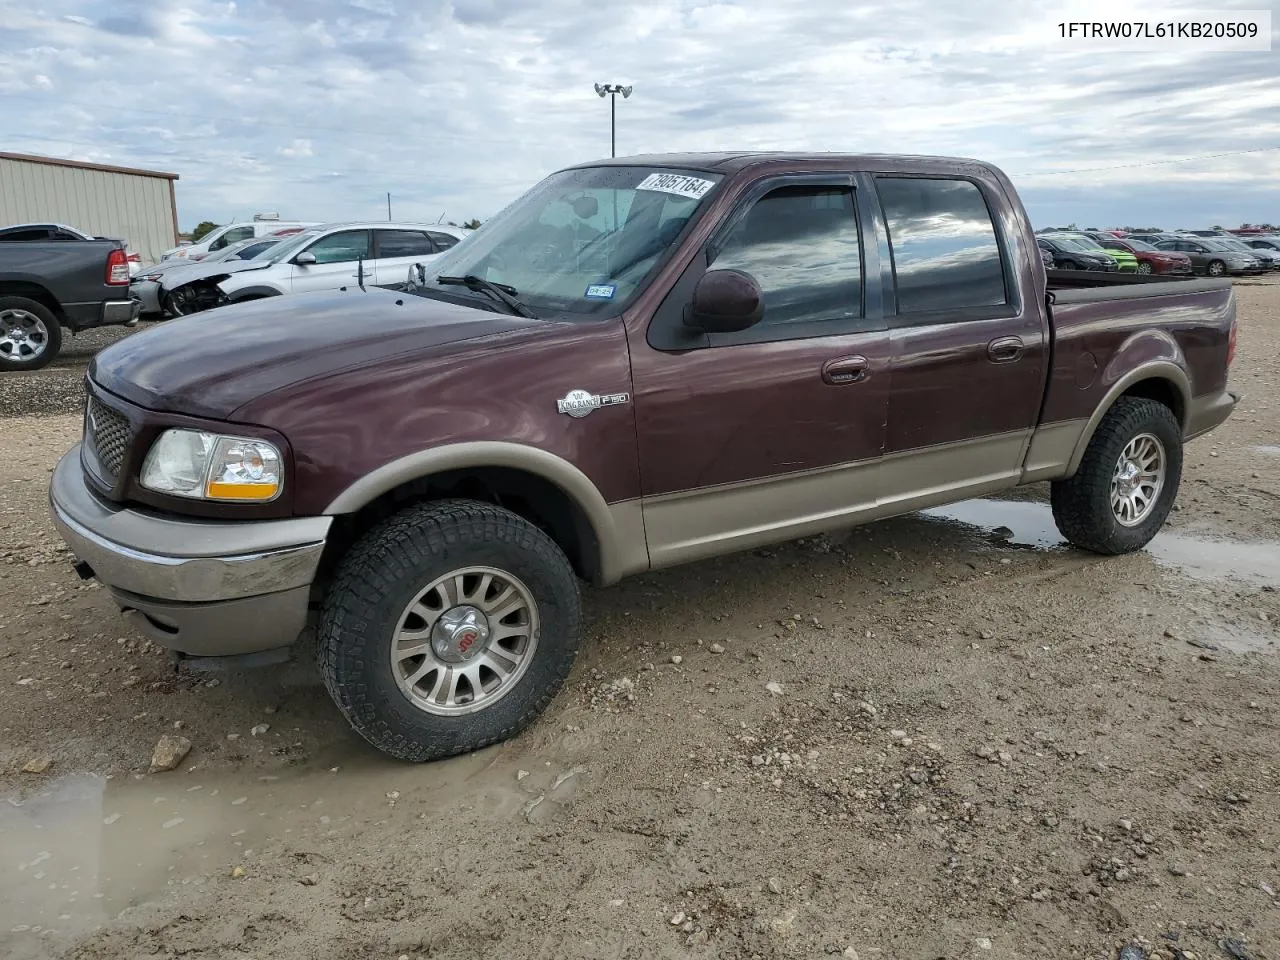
[(927, 738), (59, 387)]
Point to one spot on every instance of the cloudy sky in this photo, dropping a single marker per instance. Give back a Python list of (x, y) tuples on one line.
[(317, 109)]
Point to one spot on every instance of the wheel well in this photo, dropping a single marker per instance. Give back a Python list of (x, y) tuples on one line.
[(32, 291), (534, 498), (1161, 391)]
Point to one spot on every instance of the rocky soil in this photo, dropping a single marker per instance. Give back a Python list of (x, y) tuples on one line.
[(941, 736)]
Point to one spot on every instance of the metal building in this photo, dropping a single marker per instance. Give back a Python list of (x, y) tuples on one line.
[(135, 205)]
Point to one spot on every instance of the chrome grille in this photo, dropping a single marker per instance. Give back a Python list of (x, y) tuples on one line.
[(108, 434)]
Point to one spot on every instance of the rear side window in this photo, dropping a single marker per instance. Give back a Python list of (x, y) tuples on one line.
[(443, 240), (946, 257), (404, 243), (36, 235), (801, 245)]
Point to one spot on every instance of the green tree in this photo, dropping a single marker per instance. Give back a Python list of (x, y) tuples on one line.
[(202, 228)]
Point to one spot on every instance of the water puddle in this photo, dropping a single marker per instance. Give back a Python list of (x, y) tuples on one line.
[(1237, 638), (1030, 525), (82, 848)]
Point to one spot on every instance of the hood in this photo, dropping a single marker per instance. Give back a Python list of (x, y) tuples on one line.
[(186, 271), (210, 364)]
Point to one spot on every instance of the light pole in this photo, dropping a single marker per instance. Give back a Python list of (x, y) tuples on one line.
[(612, 90)]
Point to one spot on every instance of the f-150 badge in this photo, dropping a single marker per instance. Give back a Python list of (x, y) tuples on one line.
[(578, 403)]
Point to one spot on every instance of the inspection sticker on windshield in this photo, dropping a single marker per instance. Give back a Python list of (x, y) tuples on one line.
[(600, 291), (682, 186)]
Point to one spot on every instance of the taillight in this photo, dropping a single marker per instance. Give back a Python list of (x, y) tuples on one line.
[(117, 268), (135, 258)]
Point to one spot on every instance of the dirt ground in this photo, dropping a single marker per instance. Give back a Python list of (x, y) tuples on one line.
[(922, 739)]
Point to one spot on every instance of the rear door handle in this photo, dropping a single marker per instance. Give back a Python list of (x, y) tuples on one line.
[(845, 370), (1005, 349)]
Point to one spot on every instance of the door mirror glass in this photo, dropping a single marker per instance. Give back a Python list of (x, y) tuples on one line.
[(305, 258), (725, 301)]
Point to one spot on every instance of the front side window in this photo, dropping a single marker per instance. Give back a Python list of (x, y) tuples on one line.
[(341, 247), (945, 253), (583, 241), (801, 245), (404, 243)]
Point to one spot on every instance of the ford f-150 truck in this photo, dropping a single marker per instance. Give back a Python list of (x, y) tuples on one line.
[(641, 362), (48, 286)]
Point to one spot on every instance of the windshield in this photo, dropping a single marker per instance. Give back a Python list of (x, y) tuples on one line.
[(1213, 244), (1141, 245), (1069, 243), (1090, 244), (286, 248), (582, 241)]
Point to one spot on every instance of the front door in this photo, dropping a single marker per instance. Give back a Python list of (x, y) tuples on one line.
[(338, 257), (773, 432), (969, 353)]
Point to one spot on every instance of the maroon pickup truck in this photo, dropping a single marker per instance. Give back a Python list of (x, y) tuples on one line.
[(639, 363)]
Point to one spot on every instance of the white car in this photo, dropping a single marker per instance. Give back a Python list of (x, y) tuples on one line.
[(230, 233), (327, 257), (145, 285)]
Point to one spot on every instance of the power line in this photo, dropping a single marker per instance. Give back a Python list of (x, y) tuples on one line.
[(293, 130), (1149, 163)]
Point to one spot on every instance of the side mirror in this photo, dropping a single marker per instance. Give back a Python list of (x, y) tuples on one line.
[(725, 301), (305, 258), (417, 279)]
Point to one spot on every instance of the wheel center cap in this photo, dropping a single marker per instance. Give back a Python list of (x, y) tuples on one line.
[(18, 335), (1127, 479), (461, 634)]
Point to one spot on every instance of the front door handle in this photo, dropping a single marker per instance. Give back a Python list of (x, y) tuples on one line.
[(846, 370), (1005, 349)]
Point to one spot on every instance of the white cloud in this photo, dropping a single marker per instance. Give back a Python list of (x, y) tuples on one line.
[(319, 109)]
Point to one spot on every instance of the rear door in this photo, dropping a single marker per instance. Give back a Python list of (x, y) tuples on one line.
[(395, 251), (776, 430), (338, 257), (969, 352)]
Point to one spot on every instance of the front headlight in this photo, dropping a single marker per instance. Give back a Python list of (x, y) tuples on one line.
[(208, 466)]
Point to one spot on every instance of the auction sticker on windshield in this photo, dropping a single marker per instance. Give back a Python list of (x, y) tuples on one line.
[(692, 187)]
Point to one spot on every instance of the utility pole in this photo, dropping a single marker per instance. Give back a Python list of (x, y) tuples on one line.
[(611, 90), (388, 207)]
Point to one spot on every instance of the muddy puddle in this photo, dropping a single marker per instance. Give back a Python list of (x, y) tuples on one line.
[(1030, 525), (83, 848)]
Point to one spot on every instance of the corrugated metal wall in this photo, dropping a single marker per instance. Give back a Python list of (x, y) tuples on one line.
[(135, 208)]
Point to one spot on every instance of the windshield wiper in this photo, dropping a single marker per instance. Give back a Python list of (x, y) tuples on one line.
[(500, 290)]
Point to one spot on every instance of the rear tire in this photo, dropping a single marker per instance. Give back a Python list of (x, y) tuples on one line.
[(30, 335), (1136, 450), (448, 627)]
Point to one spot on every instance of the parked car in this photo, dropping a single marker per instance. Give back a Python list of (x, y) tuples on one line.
[(60, 232), (1262, 241), (1070, 254), (1126, 262), (52, 286), (1154, 238), (424, 476), (321, 258), (1045, 257), (1270, 260), (230, 233), (145, 287), (1151, 259), (1212, 258)]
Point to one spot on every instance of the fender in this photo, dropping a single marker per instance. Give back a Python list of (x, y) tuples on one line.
[(1162, 369), (618, 527)]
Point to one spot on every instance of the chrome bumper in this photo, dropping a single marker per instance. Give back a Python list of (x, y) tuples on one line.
[(202, 587), (121, 311)]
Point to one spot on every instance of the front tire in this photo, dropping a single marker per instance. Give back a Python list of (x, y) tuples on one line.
[(1144, 267), (448, 627), (1127, 482), (30, 335), (1216, 268)]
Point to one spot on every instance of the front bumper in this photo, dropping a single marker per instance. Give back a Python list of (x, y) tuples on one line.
[(147, 293), (201, 587)]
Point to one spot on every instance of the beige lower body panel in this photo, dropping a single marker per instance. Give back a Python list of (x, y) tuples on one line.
[(703, 523)]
